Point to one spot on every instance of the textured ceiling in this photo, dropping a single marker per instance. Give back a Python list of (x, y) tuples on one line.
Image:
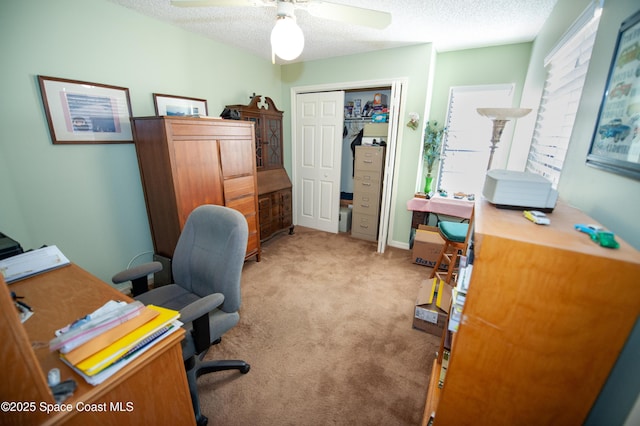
[(448, 24)]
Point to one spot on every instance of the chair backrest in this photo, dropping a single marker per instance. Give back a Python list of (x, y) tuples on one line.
[(210, 253)]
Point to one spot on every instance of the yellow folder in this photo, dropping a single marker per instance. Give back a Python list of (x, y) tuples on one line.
[(110, 336), (107, 356)]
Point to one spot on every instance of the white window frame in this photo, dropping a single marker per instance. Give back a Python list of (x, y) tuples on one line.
[(465, 148)]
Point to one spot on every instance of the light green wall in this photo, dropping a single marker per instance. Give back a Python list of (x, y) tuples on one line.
[(411, 63), (491, 65), (87, 199)]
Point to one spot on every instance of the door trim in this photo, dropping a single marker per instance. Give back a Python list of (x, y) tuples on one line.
[(397, 107)]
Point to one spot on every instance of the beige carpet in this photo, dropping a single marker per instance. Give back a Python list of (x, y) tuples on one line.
[(326, 325)]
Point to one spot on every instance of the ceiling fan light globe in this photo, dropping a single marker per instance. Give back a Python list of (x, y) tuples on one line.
[(287, 39)]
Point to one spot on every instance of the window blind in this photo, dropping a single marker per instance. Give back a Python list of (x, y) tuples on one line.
[(566, 71)]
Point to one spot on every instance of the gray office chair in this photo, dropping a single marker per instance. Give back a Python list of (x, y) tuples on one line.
[(207, 264)]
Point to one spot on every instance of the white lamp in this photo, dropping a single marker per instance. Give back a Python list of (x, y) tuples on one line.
[(287, 39), (500, 117)]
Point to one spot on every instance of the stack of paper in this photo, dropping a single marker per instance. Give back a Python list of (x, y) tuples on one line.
[(32, 262), (103, 342)]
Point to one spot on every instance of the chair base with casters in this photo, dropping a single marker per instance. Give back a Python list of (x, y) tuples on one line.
[(196, 346), (196, 367)]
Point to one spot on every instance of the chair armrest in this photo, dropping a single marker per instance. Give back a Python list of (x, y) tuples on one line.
[(137, 272), (197, 313), (200, 307)]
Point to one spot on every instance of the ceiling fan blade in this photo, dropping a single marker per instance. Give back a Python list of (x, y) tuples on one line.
[(214, 3), (349, 14)]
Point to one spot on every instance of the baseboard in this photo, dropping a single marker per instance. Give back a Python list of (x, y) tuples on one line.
[(399, 244)]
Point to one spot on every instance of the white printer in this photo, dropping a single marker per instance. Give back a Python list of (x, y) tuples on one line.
[(519, 190)]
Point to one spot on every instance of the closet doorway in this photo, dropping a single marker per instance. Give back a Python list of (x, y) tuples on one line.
[(395, 100)]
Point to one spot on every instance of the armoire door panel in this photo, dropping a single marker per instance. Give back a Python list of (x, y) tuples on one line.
[(197, 177), (235, 155)]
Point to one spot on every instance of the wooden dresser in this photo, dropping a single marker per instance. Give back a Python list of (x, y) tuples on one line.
[(545, 318), (274, 185), (367, 191), (186, 162)]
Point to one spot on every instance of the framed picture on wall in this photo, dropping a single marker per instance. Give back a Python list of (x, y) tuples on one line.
[(79, 112), (179, 105), (615, 145)]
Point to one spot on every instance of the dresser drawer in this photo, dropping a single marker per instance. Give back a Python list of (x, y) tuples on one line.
[(364, 226), (245, 205), (367, 176), (372, 187), (238, 188), (369, 158), (366, 202), (198, 128)]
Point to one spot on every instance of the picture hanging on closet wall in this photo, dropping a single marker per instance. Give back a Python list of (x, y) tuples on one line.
[(80, 112)]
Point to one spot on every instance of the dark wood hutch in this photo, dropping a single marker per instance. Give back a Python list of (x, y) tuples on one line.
[(274, 185)]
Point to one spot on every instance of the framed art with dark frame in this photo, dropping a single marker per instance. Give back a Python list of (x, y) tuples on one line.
[(79, 112), (615, 145), (179, 105)]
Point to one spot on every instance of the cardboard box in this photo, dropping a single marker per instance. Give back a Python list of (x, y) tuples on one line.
[(444, 294), (427, 245), (376, 130), (427, 316)]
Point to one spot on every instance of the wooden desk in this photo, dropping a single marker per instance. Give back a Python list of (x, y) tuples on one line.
[(152, 389)]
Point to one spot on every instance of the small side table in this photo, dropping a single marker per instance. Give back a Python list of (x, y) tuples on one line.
[(422, 208)]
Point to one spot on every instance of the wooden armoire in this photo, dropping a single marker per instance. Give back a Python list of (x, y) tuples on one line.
[(189, 161), (274, 185)]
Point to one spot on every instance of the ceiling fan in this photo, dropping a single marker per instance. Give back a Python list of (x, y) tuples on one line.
[(287, 39)]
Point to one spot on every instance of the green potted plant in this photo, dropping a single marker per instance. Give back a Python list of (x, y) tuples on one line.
[(432, 144)]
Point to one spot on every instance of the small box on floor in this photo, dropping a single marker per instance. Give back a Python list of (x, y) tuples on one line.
[(427, 316), (344, 224), (427, 245)]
